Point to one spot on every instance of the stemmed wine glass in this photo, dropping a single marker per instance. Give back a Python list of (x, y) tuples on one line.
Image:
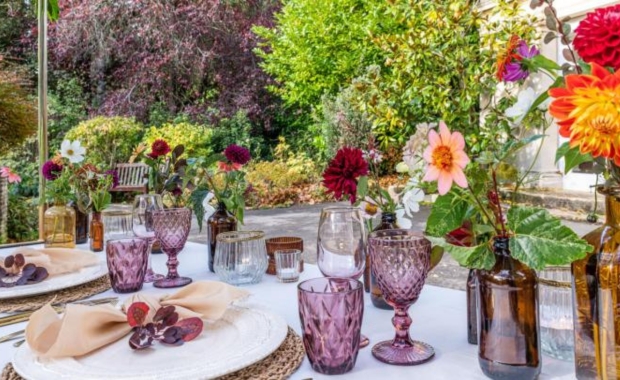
[(340, 245), (400, 261), (143, 207), (172, 229)]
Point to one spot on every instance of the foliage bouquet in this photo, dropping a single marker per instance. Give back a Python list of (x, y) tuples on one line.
[(93, 188), (61, 171)]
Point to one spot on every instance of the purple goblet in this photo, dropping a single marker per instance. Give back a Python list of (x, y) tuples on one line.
[(400, 261), (331, 311), (171, 229), (127, 262), (143, 207)]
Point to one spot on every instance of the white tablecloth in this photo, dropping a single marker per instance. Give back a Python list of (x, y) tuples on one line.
[(438, 319)]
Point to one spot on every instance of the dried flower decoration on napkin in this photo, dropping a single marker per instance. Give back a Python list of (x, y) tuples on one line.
[(166, 326), (14, 271)]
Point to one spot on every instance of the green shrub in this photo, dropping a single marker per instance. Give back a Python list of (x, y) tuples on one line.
[(237, 130), (68, 106), (23, 219), (108, 140), (195, 138), (18, 113)]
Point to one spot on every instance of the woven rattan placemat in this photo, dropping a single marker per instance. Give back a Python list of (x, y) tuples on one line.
[(279, 365), (67, 295)]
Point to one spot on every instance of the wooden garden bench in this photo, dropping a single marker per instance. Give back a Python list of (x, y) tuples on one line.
[(132, 177)]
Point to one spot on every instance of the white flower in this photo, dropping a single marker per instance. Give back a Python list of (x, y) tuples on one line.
[(417, 144), (369, 209), (525, 100), (412, 199), (209, 210), (402, 167), (402, 220), (72, 150)]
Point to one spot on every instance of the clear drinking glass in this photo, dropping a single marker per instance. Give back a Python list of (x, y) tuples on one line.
[(400, 261), (142, 217), (556, 313), (117, 222), (331, 312), (172, 228), (127, 260), (287, 265), (240, 257), (341, 244)]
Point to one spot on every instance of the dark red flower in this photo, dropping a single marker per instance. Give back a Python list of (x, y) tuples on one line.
[(159, 148), (342, 173), (237, 154), (51, 170), (597, 38), (176, 191)]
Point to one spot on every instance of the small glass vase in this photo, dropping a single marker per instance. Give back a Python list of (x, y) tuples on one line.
[(472, 306), (96, 232), (556, 313), (220, 221), (59, 226), (508, 322), (388, 222), (81, 224), (240, 257)]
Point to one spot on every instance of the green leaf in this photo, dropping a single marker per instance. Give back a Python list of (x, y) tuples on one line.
[(540, 239), (572, 157), (196, 199), (53, 11), (447, 214), (477, 257), (362, 188), (543, 62)]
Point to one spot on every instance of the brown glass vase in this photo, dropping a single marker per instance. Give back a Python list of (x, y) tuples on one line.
[(508, 322), (472, 307), (388, 222), (96, 232), (607, 315), (220, 221), (81, 224)]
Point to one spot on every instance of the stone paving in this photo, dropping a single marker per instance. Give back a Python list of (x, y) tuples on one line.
[(303, 221)]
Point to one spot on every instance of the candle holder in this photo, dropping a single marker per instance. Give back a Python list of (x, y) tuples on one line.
[(240, 257)]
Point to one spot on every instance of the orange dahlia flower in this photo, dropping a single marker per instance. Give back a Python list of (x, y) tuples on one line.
[(446, 158), (588, 112)]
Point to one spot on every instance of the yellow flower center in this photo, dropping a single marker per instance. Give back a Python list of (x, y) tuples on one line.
[(442, 157), (70, 152), (370, 209)]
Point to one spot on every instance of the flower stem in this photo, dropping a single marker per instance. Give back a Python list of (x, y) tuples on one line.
[(482, 208)]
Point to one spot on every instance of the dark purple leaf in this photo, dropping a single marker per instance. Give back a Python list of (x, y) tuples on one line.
[(8, 261), (163, 313), (190, 328), (173, 335), (20, 260), (39, 275)]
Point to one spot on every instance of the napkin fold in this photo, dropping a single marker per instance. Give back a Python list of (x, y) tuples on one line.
[(83, 329), (57, 260)]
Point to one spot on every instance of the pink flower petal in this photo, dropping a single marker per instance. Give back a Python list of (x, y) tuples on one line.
[(445, 133), (457, 141), (444, 183), (433, 139), (458, 176), (428, 154), (460, 159), (432, 174)]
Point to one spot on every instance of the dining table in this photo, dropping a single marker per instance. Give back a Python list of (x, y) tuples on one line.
[(439, 319)]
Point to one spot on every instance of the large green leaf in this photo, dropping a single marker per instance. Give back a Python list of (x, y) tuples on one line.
[(447, 214), (540, 239), (478, 257), (572, 156)]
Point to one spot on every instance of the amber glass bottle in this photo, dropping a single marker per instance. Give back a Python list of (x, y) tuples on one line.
[(607, 316), (472, 307), (388, 222), (509, 346), (96, 232), (220, 221), (81, 224)]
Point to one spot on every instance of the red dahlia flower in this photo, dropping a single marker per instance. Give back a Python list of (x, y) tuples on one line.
[(341, 175), (159, 148), (237, 154), (597, 38)]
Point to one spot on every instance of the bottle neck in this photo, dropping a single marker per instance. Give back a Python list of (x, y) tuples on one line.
[(97, 216), (500, 246), (221, 206), (612, 210), (388, 217)]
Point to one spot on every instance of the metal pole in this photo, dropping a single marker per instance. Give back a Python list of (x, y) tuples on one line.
[(42, 104)]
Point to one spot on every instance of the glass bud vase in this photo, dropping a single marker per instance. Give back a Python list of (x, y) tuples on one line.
[(59, 226), (508, 322), (220, 221), (472, 307), (96, 232), (388, 222), (607, 320), (81, 224)]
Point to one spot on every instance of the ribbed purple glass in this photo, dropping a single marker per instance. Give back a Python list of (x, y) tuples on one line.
[(331, 311), (127, 263), (400, 261), (172, 229)]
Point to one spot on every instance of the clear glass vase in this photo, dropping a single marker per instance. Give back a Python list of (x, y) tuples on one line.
[(556, 313), (240, 257), (59, 226)]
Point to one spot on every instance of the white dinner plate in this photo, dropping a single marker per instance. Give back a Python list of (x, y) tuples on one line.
[(240, 338), (59, 282)]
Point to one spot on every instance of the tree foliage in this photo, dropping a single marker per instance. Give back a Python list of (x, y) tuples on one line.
[(18, 113)]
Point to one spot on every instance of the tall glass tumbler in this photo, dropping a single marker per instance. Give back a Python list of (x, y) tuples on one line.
[(331, 311), (127, 262)]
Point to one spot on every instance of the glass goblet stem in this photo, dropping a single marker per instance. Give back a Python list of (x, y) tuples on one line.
[(151, 276), (402, 322)]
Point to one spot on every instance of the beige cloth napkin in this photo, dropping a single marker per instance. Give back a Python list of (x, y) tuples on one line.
[(57, 260), (83, 329)]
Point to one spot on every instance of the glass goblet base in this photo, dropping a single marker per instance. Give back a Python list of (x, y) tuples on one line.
[(152, 276), (172, 282), (416, 353)]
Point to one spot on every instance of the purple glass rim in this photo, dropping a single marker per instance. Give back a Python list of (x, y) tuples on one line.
[(403, 235), (126, 240), (321, 282), (172, 210)]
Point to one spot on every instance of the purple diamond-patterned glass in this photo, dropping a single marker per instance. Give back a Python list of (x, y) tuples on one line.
[(172, 229), (143, 207), (127, 262), (331, 311), (400, 261)]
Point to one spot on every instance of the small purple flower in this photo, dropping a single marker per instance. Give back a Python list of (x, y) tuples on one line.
[(51, 170), (176, 191), (237, 154), (114, 175), (516, 71)]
